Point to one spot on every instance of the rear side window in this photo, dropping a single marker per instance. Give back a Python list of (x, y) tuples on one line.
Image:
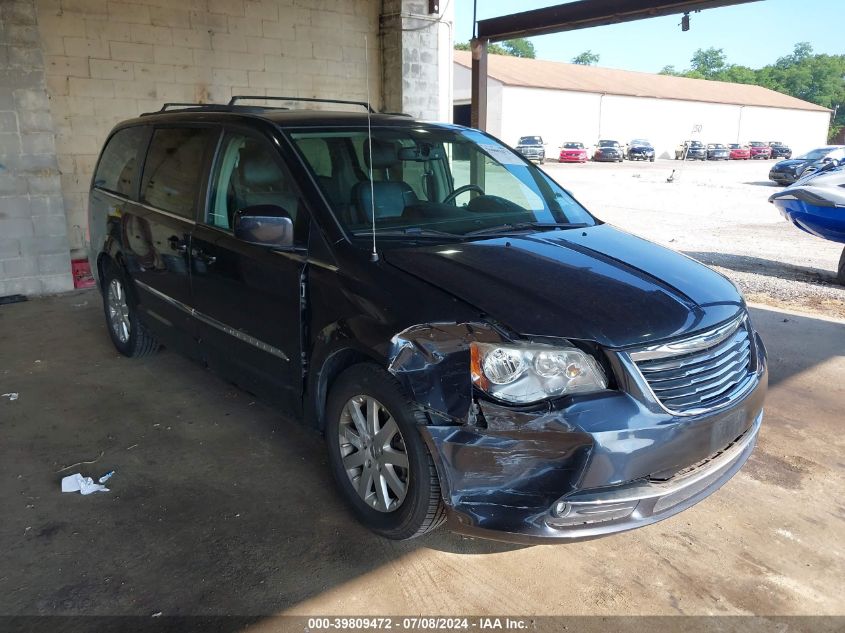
[(117, 170), (173, 169)]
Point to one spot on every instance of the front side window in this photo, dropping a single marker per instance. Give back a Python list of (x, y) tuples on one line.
[(118, 167), (173, 169), (248, 173), (432, 182)]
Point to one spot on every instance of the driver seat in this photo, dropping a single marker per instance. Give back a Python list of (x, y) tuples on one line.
[(390, 197)]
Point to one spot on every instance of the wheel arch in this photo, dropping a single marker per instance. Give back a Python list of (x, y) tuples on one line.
[(329, 360)]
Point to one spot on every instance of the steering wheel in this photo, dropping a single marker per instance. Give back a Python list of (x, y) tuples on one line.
[(451, 197)]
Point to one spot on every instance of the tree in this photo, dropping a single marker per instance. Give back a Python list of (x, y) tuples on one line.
[(519, 47), (668, 70), (708, 62), (587, 58)]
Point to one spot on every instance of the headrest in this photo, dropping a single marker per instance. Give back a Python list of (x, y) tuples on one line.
[(391, 198), (257, 168), (384, 154)]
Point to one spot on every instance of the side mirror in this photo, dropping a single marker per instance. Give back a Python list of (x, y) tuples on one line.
[(265, 225)]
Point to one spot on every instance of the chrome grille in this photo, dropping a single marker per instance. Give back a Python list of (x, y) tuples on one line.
[(700, 372)]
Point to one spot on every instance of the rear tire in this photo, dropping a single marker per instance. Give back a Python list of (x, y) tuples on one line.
[(840, 277), (378, 457), (129, 336)]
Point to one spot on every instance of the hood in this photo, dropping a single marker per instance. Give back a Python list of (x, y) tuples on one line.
[(598, 284), (792, 162)]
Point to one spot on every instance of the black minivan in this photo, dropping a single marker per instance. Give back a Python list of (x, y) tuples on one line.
[(474, 344)]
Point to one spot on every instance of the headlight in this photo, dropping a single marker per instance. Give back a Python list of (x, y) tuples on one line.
[(530, 373)]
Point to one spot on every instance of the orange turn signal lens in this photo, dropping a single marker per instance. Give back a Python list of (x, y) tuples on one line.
[(477, 373)]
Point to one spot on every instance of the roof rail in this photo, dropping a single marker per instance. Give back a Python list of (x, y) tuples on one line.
[(363, 104), (181, 104)]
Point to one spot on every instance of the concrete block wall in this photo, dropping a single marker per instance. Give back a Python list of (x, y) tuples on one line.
[(417, 49), (106, 61), (34, 249), (71, 69)]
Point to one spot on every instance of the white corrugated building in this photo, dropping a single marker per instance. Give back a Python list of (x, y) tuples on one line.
[(567, 102)]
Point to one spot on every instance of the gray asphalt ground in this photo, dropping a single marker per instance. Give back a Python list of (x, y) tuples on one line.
[(220, 506)]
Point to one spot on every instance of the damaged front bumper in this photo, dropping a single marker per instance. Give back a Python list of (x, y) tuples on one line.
[(575, 468), (574, 474)]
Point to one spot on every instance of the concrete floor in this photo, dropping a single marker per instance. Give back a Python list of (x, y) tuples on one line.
[(219, 506)]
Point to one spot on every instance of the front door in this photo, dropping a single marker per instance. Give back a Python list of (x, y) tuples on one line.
[(247, 296)]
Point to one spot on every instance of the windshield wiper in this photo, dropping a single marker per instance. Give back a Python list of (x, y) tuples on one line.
[(525, 226), (408, 232)]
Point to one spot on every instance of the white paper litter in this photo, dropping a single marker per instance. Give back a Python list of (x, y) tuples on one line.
[(83, 485), (11, 396)]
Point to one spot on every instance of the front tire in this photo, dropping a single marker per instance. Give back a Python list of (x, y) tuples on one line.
[(840, 276), (129, 336), (378, 457)]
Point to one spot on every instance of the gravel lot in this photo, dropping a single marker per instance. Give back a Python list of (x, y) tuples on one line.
[(719, 214)]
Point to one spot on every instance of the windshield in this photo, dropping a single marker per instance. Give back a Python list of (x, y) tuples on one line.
[(735, 146), (756, 144), (530, 140), (696, 144), (608, 144), (815, 154), (430, 182), (716, 146), (640, 142), (573, 146)]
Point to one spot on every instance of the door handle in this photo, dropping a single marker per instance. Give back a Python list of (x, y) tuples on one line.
[(177, 245), (203, 256)]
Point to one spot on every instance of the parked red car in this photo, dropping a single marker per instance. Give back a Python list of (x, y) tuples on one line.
[(739, 152), (760, 150), (573, 153)]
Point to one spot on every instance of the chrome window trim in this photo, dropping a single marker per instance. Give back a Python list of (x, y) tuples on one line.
[(241, 336), (146, 206), (285, 253)]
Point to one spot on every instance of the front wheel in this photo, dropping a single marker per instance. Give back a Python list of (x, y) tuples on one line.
[(127, 333), (378, 457)]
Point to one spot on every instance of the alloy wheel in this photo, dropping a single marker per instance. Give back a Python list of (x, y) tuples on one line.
[(373, 453), (118, 310)]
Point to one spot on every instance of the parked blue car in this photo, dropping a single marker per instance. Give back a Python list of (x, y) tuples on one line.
[(816, 204)]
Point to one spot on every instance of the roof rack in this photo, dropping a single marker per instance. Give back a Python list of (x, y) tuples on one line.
[(363, 104), (181, 104)]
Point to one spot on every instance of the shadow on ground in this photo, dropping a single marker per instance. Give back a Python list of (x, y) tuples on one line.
[(764, 183), (797, 344), (767, 267)]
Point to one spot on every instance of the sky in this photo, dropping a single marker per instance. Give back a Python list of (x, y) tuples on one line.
[(753, 34)]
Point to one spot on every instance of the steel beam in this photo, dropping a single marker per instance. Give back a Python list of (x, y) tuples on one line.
[(587, 13), (478, 109)]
